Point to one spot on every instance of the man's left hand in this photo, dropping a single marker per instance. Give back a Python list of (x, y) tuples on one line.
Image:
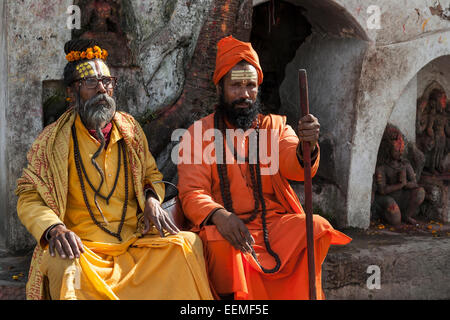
[(160, 218), (308, 130)]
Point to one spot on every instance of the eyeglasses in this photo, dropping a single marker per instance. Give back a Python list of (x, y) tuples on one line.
[(92, 82)]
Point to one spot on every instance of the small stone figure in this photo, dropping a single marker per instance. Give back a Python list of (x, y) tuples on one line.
[(102, 17), (436, 129), (398, 195), (101, 20)]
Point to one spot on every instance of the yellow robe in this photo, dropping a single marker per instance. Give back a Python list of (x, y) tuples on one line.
[(148, 267)]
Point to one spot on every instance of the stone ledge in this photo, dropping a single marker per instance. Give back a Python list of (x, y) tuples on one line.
[(13, 276), (411, 267), (12, 291)]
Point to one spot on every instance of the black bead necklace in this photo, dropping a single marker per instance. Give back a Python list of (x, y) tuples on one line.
[(80, 170), (255, 174)]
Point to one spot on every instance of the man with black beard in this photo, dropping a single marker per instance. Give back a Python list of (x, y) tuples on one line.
[(91, 196), (249, 218), (241, 112)]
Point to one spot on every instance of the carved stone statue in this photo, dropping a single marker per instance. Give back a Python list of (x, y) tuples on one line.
[(432, 138), (436, 129), (101, 21), (431, 130), (397, 196)]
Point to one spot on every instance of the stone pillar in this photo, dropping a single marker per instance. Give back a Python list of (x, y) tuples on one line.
[(3, 103), (333, 67), (35, 36)]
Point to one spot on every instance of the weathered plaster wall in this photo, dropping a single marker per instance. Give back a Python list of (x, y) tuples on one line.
[(403, 115), (437, 70), (386, 72), (356, 86), (36, 32), (411, 34), (3, 103), (165, 32), (333, 66), (400, 21)]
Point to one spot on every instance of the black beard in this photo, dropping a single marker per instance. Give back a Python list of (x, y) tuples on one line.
[(241, 118), (97, 110)]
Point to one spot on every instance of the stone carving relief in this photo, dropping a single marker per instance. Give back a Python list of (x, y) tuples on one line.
[(102, 20), (432, 136), (432, 130), (398, 195), (426, 163)]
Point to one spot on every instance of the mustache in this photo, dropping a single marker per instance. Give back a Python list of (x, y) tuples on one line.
[(100, 99), (240, 117), (248, 102), (98, 109)]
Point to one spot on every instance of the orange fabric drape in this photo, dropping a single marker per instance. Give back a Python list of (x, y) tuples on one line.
[(229, 270), (229, 52)]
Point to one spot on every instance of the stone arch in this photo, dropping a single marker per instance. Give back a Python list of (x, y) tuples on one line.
[(339, 21), (333, 56), (386, 72), (433, 85)]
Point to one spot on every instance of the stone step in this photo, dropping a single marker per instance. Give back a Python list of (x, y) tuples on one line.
[(13, 276), (410, 267)]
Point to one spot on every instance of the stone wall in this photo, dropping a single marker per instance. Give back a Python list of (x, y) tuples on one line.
[(360, 79), (3, 99), (408, 39), (162, 37), (35, 32), (438, 71), (333, 66), (403, 115)]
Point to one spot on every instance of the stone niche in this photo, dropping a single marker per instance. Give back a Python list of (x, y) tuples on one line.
[(428, 155), (106, 21), (110, 22), (277, 32), (433, 141), (333, 60)]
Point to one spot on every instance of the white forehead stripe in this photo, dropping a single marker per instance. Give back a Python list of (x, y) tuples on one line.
[(243, 75)]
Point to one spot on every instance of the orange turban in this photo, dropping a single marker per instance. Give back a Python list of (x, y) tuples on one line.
[(229, 52)]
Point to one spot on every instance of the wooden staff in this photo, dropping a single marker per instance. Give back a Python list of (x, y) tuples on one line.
[(304, 105)]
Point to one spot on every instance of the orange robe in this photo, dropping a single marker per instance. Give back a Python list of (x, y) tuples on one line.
[(229, 270)]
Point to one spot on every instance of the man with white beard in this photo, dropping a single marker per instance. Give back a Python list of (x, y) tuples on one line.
[(91, 196)]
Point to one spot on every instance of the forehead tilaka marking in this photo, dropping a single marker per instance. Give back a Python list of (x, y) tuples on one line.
[(95, 68), (244, 75)]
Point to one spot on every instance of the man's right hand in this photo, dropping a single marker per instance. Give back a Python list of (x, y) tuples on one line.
[(233, 230), (66, 243)]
